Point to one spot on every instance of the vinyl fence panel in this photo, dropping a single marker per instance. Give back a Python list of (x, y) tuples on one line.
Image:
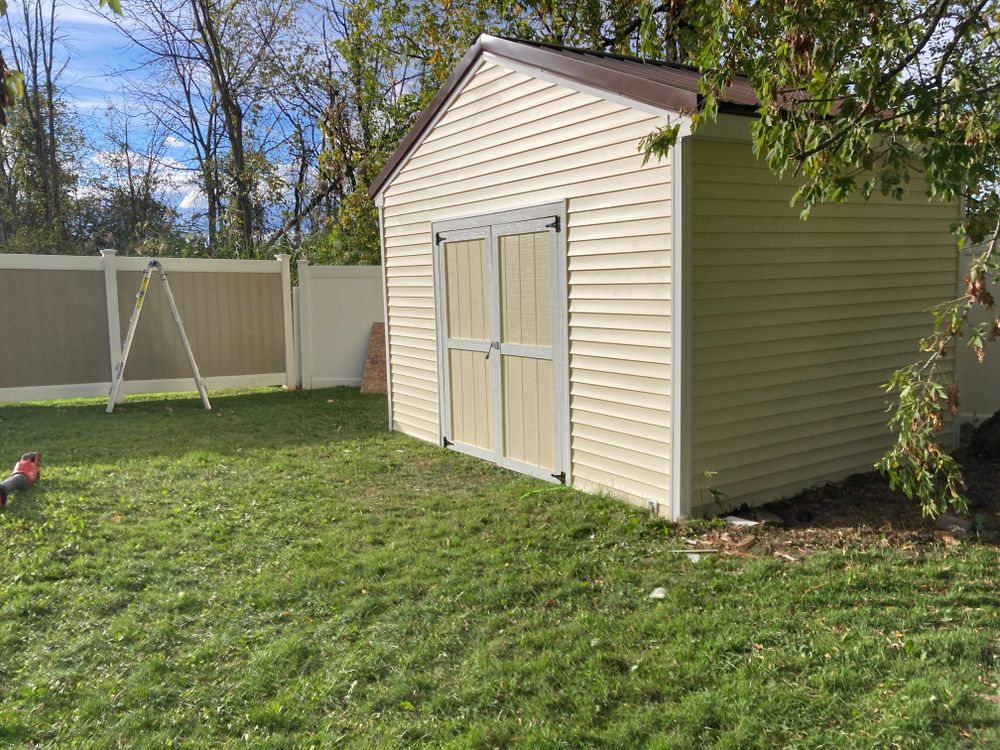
[(978, 384), (73, 312), (335, 309)]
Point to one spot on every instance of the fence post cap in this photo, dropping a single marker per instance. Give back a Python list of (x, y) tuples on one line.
[(107, 252), (282, 256)]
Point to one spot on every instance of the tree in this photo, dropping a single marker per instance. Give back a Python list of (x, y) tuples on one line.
[(215, 89), (388, 59), (40, 145), (859, 96), (124, 208)]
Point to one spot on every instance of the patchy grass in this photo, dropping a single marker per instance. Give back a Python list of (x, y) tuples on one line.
[(282, 573)]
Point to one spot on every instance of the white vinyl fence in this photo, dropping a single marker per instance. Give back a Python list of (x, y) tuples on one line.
[(65, 317), (978, 384), (335, 307)]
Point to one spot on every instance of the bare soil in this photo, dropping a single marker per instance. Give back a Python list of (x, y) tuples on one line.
[(858, 512)]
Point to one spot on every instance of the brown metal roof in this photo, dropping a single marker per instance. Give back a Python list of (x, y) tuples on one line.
[(658, 84)]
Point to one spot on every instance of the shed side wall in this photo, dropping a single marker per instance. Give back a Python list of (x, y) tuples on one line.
[(797, 324), (511, 141)]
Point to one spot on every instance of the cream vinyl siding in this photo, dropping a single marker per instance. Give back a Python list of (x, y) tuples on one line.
[(796, 325), (507, 141)]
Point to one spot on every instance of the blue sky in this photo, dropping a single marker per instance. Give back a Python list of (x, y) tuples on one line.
[(97, 56), (95, 50), (99, 61)]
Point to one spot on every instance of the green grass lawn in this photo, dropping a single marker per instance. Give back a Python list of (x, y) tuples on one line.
[(283, 573)]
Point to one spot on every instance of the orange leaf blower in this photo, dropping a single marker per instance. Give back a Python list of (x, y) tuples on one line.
[(24, 475)]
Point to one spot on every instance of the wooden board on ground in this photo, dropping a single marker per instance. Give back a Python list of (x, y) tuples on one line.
[(373, 379)]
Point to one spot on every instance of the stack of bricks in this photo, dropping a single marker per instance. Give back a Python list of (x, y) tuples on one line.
[(373, 380)]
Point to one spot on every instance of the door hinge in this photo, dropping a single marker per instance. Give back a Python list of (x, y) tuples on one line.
[(446, 442), (561, 476), (555, 224), (438, 238)]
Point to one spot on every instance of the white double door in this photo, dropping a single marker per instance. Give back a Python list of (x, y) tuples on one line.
[(497, 291)]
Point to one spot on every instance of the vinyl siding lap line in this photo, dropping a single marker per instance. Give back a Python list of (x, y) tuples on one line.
[(606, 176), (461, 115), (617, 410), (791, 243), (612, 469), (518, 138), (818, 388), (768, 321), (816, 286), (605, 166), (828, 270), (924, 295), (610, 199), (850, 453), (636, 493), (631, 457), (536, 110), (775, 443), (551, 160), (833, 413), (548, 100), (739, 383), (811, 358)]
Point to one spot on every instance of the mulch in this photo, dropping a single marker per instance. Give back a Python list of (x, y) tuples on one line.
[(859, 512)]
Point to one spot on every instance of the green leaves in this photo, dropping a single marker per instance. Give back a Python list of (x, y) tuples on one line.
[(659, 142), (114, 5)]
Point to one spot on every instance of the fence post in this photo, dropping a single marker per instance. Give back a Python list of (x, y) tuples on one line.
[(110, 260), (297, 323), (305, 318), (291, 379)]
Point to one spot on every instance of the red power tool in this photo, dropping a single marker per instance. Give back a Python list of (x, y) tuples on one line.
[(24, 475)]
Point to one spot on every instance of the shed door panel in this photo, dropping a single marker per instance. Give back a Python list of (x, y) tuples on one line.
[(466, 265), (470, 376), (526, 289), (471, 385), (528, 427), (525, 262)]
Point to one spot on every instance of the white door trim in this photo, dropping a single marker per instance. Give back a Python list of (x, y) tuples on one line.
[(491, 226)]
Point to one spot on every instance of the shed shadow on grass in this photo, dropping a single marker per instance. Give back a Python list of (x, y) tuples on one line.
[(171, 425)]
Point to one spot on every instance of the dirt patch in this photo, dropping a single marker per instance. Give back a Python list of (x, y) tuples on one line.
[(858, 512)]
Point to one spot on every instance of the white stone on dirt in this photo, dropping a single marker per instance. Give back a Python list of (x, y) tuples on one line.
[(954, 523), (737, 521), (766, 516)]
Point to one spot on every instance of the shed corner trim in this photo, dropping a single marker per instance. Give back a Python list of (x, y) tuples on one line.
[(681, 327)]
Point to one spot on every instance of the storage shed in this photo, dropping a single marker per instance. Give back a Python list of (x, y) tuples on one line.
[(662, 332)]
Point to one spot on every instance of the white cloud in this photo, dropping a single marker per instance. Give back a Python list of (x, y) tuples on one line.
[(80, 15), (173, 142)]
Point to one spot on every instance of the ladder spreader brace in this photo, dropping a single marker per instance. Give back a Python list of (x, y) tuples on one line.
[(133, 323)]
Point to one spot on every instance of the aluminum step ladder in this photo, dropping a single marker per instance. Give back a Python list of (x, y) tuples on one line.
[(116, 386)]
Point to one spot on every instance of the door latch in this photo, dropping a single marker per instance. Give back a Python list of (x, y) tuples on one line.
[(493, 345), (561, 476)]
